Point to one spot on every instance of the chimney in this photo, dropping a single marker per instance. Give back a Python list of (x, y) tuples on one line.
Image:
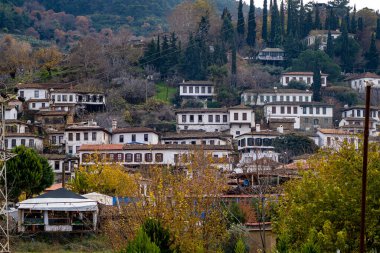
[(280, 129), (114, 124), (258, 128)]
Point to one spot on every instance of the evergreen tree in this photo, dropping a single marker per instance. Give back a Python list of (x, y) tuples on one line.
[(282, 19), (201, 39), (360, 24), (149, 54), (378, 29), (308, 25), (233, 61), (174, 50), (275, 32), (353, 21), (372, 56), (141, 243), (330, 45), (251, 36), (240, 22), (290, 17), (158, 234), (345, 54), (157, 58), (301, 22), (165, 57), (331, 20), (347, 18), (316, 87), (317, 22), (264, 33), (227, 33)]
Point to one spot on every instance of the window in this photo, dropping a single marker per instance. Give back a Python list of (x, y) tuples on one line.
[(316, 121), (308, 80), (358, 113), (244, 116), (184, 89), (200, 118), (274, 109), (56, 165), (250, 142), (31, 143), (304, 110), (54, 140), (262, 99), (33, 105), (85, 137), (59, 98), (159, 157), (203, 90), (64, 98), (70, 136), (287, 79), (322, 80), (287, 98), (77, 136), (36, 94), (121, 138), (22, 93), (212, 142), (23, 142), (210, 118), (60, 139), (133, 137), (236, 116), (300, 99), (306, 99), (274, 98), (148, 157), (94, 136), (71, 98), (197, 89), (237, 132), (317, 110), (281, 98), (183, 118), (289, 110), (191, 118), (294, 98), (217, 118), (282, 108), (224, 118), (209, 89), (119, 157), (146, 137), (128, 157), (191, 89), (43, 105), (242, 143), (138, 157), (295, 110), (70, 149)]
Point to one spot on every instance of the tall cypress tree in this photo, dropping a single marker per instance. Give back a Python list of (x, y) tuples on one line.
[(282, 19), (378, 29), (308, 25), (251, 36), (290, 17), (345, 53), (149, 54), (157, 60), (353, 21), (347, 18), (233, 60), (264, 33), (316, 87), (330, 45), (317, 22), (372, 56), (165, 57), (174, 50), (227, 33), (275, 32), (240, 22), (360, 24), (301, 22)]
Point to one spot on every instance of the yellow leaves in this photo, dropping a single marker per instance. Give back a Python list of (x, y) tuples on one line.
[(48, 58)]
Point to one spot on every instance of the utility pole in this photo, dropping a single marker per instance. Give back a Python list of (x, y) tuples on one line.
[(365, 165)]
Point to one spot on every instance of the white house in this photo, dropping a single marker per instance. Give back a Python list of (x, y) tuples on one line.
[(33, 91), (262, 96), (60, 163), (161, 154), (87, 133), (196, 138), (353, 120), (307, 115), (335, 138), (206, 119), (36, 104), (11, 113), (304, 77), (136, 135), (197, 89), (21, 133), (242, 119), (358, 81), (321, 36), (271, 55)]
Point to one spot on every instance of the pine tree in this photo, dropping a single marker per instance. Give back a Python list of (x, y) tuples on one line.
[(353, 21), (240, 22), (308, 25), (227, 33), (360, 24), (345, 52), (174, 50), (317, 22), (290, 17), (316, 87), (330, 45), (149, 54), (251, 36), (347, 18), (275, 32), (302, 17), (378, 29), (282, 19), (372, 56), (264, 33), (165, 57), (157, 58)]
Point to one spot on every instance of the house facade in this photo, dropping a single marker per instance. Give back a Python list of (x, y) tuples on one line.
[(358, 81), (209, 119), (197, 138), (303, 77), (136, 135), (335, 138), (197, 89), (320, 37), (20, 133), (353, 120), (262, 96), (271, 55)]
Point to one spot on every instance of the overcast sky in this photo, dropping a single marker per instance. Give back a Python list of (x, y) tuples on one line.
[(360, 4)]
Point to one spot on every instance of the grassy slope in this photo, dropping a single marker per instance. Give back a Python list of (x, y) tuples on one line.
[(164, 93)]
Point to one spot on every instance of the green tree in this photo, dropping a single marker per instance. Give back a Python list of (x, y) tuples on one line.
[(354, 24), (316, 86), (294, 145), (360, 24), (227, 31), (233, 66), (240, 22), (372, 56), (275, 27), (264, 29), (378, 29), (251, 36), (282, 19), (307, 60), (308, 25), (317, 20), (236, 214), (240, 246), (330, 45), (323, 207), (158, 234), (28, 173), (141, 244)]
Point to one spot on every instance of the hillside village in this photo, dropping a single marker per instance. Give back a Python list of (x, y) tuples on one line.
[(217, 122)]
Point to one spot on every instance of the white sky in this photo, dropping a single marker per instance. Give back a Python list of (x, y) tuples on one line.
[(360, 4)]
